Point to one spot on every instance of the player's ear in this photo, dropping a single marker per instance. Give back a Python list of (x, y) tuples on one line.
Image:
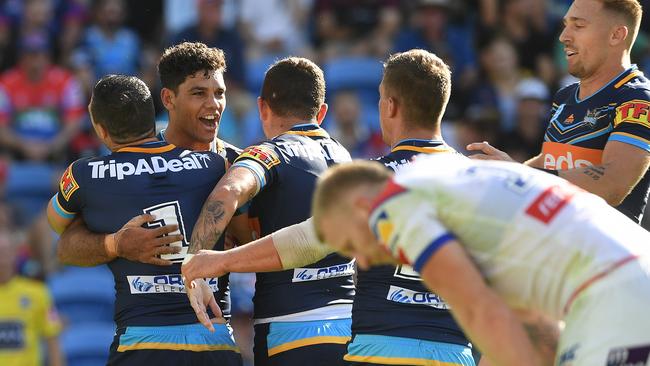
[(167, 96), (619, 35), (321, 113), (392, 107)]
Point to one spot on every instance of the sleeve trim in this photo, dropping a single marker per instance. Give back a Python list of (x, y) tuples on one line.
[(256, 169), (60, 210), (630, 139), (431, 249)]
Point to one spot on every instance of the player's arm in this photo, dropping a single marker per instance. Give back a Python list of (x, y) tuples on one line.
[(482, 314), (416, 235), (54, 354), (287, 248), (237, 187), (623, 165), (79, 246)]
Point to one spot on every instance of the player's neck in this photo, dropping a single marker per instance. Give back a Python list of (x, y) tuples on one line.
[(592, 84), (114, 147), (181, 140), (416, 133)]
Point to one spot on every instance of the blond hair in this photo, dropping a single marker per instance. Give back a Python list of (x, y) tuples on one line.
[(335, 182), (630, 10)]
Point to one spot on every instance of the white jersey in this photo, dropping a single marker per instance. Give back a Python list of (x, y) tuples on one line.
[(535, 237)]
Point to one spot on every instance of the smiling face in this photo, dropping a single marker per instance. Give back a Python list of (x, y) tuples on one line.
[(586, 37), (196, 108)]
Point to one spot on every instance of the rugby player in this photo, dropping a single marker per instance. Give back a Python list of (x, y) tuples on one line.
[(301, 316), (598, 136), (144, 175), (542, 244), (413, 95)]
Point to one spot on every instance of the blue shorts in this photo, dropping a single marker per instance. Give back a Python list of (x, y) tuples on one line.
[(319, 342), (174, 345), (385, 350)]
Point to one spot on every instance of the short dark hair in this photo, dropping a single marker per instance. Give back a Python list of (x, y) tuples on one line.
[(186, 59), (421, 82), (294, 87), (124, 106)]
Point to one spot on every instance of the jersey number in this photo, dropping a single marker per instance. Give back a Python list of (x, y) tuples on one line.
[(407, 273), (169, 213)]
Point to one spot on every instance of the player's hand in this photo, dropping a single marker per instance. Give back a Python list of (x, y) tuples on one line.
[(489, 152), (144, 245), (204, 264), (201, 296)]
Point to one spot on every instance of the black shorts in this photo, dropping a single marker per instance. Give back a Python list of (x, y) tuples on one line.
[(174, 345), (300, 348)]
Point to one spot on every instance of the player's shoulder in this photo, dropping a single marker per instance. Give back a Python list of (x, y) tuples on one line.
[(565, 92), (31, 287), (637, 87), (265, 153)]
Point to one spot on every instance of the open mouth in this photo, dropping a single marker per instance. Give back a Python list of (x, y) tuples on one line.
[(570, 53), (210, 121)]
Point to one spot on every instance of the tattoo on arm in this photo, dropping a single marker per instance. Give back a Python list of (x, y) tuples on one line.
[(595, 172), (209, 227)]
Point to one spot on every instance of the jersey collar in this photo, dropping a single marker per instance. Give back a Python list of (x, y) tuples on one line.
[(153, 147), (308, 129), (617, 82), (421, 146)]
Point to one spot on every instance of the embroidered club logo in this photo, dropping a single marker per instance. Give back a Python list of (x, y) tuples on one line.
[(68, 184)]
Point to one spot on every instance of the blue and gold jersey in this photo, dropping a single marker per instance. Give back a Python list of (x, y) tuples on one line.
[(155, 178), (579, 129), (221, 147), (287, 168), (416, 312)]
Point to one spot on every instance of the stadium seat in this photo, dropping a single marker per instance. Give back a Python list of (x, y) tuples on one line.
[(87, 344), (30, 186), (358, 73), (84, 294)]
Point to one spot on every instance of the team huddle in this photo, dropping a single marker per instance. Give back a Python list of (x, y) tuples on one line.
[(461, 261)]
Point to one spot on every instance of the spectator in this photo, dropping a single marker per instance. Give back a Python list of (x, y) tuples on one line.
[(111, 47), (499, 78), (274, 27), (532, 108), (351, 131), (359, 27), (209, 30), (34, 16), (27, 315), (430, 29), (40, 105)]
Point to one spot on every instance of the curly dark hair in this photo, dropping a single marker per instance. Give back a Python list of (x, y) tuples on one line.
[(187, 58)]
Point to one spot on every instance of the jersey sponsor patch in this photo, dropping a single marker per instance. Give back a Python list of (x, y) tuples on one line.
[(558, 156), (633, 111), (317, 274), (68, 185), (548, 204), (406, 272), (162, 284), (406, 296), (264, 155), (629, 356), (12, 335)]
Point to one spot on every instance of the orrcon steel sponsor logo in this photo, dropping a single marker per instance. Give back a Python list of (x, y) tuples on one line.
[(162, 284), (406, 296), (316, 274)]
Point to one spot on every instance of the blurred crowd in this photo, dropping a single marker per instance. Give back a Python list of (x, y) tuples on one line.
[(505, 58)]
